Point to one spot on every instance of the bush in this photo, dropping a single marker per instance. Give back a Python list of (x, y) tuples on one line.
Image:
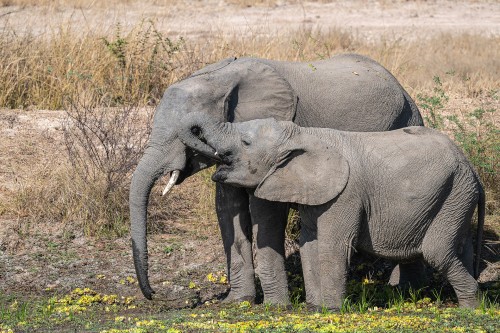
[(103, 146), (475, 132)]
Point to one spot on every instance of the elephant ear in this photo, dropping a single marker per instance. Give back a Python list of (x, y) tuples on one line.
[(214, 67), (306, 177), (260, 92)]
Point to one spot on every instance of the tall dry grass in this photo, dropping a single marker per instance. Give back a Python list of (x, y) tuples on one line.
[(131, 69), (138, 65), (41, 72)]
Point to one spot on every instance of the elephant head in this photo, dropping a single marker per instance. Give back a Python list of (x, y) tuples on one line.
[(231, 90), (273, 157)]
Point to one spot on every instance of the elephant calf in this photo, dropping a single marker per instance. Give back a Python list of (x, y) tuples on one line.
[(404, 195)]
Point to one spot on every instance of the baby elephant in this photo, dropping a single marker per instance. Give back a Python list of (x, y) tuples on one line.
[(404, 195)]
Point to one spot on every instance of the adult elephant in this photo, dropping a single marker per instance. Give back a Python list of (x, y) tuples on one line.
[(348, 92)]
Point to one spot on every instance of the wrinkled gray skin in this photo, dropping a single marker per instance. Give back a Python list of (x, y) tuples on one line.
[(405, 195), (341, 93)]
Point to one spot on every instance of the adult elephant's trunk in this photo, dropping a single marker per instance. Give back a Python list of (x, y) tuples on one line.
[(152, 165)]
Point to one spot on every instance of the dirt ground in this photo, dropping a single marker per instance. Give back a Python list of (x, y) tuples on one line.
[(60, 258), (367, 19), (43, 259)]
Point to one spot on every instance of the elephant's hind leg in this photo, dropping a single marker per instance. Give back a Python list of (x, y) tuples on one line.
[(463, 283), (447, 247), (236, 229)]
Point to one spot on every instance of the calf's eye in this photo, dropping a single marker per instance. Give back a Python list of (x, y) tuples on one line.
[(196, 130), (245, 142)]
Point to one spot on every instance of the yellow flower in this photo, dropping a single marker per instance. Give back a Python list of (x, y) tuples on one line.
[(368, 281), (222, 314), (245, 304), (14, 305), (212, 278), (192, 285), (5, 329), (129, 300), (109, 299), (173, 330)]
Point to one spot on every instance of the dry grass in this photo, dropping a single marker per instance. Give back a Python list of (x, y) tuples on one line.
[(137, 66), (133, 68), (43, 72), (61, 196), (75, 3)]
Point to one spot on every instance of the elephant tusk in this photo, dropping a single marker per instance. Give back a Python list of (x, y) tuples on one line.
[(216, 153), (173, 179)]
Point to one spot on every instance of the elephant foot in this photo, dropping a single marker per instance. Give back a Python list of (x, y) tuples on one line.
[(277, 298), (279, 306), (233, 298), (278, 302), (321, 308), (470, 303)]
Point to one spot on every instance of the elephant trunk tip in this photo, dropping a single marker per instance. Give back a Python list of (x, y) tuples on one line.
[(147, 292), (143, 280), (142, 273)]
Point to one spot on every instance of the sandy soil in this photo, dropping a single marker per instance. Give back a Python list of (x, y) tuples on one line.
[(368, 19)]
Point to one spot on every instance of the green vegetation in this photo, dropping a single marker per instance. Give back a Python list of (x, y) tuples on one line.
[(85, 309), (476, 131)]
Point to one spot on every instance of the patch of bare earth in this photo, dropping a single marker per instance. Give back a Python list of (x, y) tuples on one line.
[(47, 257), (369, 19)]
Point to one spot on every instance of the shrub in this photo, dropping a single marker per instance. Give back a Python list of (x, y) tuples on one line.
[(476, 132)]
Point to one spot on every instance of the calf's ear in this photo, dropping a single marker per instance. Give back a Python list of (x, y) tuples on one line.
[(308, 177)]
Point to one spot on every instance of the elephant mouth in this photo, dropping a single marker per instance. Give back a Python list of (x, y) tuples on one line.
[(221, 173)]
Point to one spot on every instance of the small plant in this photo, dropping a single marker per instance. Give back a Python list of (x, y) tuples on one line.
[(415, 295), (142, 58), (432, 105), (396, 300), (292, 231), (487, 304), (170, 248), (365, 298), (437, 296), (479, 137), (347, 306), (117, 47)]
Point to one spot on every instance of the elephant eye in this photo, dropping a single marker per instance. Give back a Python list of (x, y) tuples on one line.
[(246, 142), (196, 131)]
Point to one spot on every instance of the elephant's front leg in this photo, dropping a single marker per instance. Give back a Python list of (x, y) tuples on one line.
[(269, 220), (236, 228), (337, 234), (309, 255)]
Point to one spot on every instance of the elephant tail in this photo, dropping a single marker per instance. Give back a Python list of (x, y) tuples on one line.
[(479, 233)]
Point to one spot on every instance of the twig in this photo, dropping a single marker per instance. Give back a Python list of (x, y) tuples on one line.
[(11, 12)]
